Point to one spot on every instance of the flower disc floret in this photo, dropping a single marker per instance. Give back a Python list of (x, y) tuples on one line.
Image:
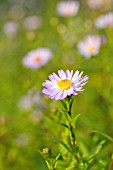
[(64, 84)]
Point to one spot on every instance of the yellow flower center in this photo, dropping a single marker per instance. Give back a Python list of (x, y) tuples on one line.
[(64, 84), (91, 49), (37, 59)]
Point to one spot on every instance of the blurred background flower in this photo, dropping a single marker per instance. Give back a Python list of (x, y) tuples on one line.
[(10, 28), (67, 8), (32, 22), (104, 21), (90, 46), (37, 58)]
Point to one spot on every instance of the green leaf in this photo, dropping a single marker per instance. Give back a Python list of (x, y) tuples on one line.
[(103, 134), (62, 143), (41, 153), (75, 120), (96, 150), (64, 104), (57, 157), (75, 149), (71, 102), (48, 164), (73, 135), (65, 146), (64, 125)]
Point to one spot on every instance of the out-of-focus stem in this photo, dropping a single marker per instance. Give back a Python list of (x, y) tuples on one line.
[(111, 165)]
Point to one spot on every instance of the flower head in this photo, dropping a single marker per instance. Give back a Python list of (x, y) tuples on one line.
[(67, 9), (32, 22), (95, 4), (90, 46), (105, 21), (10, 28), (37, 58), (64, 84)]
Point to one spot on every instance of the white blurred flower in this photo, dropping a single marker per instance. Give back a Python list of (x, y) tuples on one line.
[(68, 8), (30, 99), (10, 28), (37, 58), (25, 102), (90, 46), (36, 116), (95, 4), (22, 140), (105, 21), (32, 22)]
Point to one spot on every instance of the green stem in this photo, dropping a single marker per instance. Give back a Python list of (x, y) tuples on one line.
[(111, 165), (71, 130)]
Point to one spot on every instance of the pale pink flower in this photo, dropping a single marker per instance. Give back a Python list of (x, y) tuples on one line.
[(10, 28), (105, 21), (64, 84), (32, 22), (90, 46), (37, 58), (68, 8)]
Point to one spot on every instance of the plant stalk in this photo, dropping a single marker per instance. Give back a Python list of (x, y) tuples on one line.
[(71, 130), (111, 165)]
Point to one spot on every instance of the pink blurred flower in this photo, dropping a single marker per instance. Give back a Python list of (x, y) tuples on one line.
[(32, 22), (67, 8), (37, 58), (105, 21), (10, 28), (90, 46)]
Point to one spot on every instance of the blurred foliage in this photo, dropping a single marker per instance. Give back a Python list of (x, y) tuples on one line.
[(20, 137)]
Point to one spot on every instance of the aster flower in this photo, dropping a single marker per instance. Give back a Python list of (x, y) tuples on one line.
[(32, 22), (10, 28), (22, 140), (97, 4), (30, 99), (90, 46), (37, 58), (105, 21), (67, 8), (64, 84)]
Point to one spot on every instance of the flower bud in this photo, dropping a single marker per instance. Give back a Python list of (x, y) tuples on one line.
[(47, 152)]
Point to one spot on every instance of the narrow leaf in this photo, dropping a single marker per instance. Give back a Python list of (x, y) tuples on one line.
[(63, 104), (65, 146), (64, 125), (62, 143), (57, 157), (75, 120), (71, 102), (96, 150), (103, 134)]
